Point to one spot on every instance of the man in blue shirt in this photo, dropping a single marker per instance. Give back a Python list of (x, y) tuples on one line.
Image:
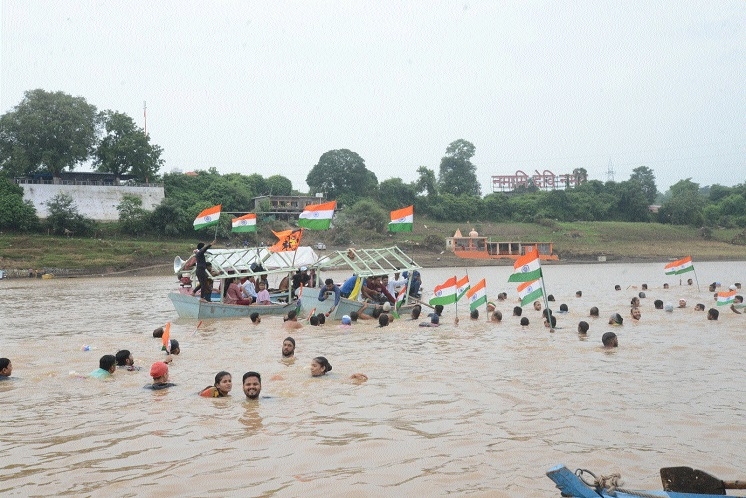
[(329, 288)]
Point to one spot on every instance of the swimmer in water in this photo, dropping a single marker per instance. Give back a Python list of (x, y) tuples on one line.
[(221, 388)]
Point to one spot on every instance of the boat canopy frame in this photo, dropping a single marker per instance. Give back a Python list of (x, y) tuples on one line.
[(368, 262)]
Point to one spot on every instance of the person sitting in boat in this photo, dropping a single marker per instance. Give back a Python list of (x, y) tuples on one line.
[(609, 340), (414, 283), (159, 373), (396, 284), (221, 388), (313, 279), (348, 286), (301, 277), (262, 297), (6, 368), (377, 292), (234, 295), (248, 289), (330, 288)]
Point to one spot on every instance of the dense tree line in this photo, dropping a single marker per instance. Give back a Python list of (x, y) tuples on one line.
[(51, 132)]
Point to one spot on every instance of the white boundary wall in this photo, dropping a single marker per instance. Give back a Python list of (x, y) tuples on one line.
[(97, 202)]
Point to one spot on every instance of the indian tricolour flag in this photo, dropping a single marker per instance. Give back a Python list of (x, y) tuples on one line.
[(461, 287), (402, 220), (526, 268), (477, 295), (444, 293), (401, 298), (207, 217), (725, 298), (530, 291), (317, 216), (246, 223), (679, 266)]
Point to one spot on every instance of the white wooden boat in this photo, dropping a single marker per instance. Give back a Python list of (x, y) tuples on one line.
[(237, 263), (362, 263)]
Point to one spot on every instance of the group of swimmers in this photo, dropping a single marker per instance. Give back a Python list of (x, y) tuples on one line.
[(159, 371)]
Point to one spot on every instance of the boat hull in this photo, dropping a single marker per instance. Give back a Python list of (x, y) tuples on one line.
[(345, 307), (188, 306), (571, 485)]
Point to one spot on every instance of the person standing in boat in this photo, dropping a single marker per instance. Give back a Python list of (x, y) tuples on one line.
[(201, 271)]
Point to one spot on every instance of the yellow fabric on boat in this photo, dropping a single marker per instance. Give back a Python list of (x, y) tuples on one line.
[(356, 290)]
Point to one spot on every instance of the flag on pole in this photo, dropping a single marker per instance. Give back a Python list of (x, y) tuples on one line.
[(444, 293), (461, 287), (477, 295), (166, 338), (288, 240), (246, 223), (526, 268), (680, 266), (530, 291), (401, 298), (402, 220), (317, 216), (207, 217), (725, 298)]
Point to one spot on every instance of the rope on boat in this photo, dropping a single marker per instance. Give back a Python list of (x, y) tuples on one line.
[(610, 484)]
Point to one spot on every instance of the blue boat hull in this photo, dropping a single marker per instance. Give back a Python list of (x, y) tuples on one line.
[(188, 306), (571, 485)]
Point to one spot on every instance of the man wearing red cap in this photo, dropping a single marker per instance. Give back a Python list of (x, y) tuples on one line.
[(159, 372)]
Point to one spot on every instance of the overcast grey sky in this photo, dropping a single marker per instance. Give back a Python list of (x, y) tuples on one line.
[(268, 87)]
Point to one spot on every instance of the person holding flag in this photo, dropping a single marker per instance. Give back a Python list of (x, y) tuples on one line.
[(201, 271)]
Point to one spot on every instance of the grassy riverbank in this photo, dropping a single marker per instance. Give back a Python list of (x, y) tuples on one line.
[(574, 242)]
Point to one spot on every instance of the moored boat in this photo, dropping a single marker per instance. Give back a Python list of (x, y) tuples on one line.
[(363, 263), (227, 264), (678, 482)]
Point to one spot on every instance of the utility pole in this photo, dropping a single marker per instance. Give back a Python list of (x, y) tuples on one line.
[(610, 172), (145, 115)]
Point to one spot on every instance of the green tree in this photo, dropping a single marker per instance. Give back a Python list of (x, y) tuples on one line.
[(645, 179), (279, 185), (426, 182), (580, 175), (48, 131), (64, 218), (341, 174), (458, 176), (168, 218), (362, 222), (395, 194), (684, 204), (133, 219), (15, 213), (126, 149)]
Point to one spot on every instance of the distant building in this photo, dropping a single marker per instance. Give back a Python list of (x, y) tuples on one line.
[(284, 206), (543, 181), (96, 195)]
